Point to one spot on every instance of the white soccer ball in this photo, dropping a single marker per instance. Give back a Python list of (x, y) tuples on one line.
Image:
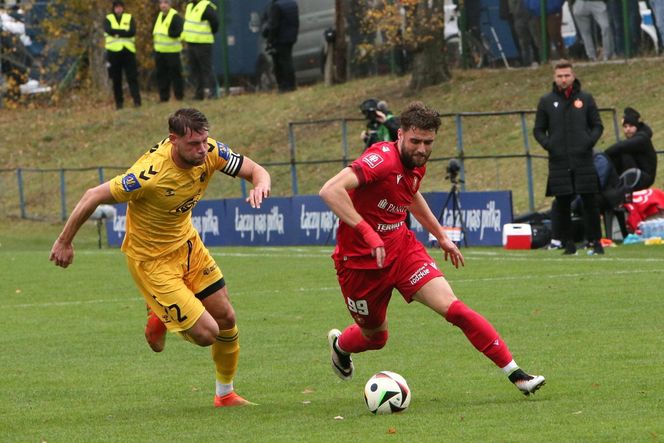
[(386, 393)]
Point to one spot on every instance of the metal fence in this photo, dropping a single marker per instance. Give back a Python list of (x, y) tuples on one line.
[(49, 194)]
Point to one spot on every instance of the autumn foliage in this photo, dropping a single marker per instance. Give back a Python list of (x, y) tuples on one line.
[(74, 28)]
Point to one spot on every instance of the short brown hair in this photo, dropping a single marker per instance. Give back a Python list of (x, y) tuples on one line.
[(187, 119), (562, 64), (418, 115)]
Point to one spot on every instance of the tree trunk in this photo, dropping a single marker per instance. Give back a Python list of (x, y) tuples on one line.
[(429, 64), (340, 41), (96, 51)]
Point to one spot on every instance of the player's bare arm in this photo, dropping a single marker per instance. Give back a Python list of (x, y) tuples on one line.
[(421, 211), (62, 252), (259, 178), (335, 194)]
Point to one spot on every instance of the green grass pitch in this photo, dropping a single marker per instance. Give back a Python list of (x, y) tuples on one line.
[(75, 366)]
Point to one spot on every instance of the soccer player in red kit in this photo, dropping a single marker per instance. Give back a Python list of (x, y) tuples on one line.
[(376, 253)]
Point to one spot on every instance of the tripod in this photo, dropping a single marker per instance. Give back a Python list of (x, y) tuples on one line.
[(453, 195)]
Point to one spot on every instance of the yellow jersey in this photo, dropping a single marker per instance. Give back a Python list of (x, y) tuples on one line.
[(160, 197)]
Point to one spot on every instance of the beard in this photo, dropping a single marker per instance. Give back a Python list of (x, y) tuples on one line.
[(412, 160)]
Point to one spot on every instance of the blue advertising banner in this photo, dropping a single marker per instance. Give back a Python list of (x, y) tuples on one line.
[(306, 220), (479, 215)]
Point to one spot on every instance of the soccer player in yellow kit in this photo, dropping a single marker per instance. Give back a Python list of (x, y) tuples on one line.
[(180, 281)]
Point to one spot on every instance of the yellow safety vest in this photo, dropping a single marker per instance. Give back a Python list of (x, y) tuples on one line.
[(197, 30), (117, 44), (162, 41)]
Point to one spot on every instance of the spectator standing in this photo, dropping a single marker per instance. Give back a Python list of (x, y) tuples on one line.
[(567, 125), (180, 281), (584, 12), (634, 155), (200, 25), (615, 9), (283, 24), (120, 44), (168, 48), (554, 19), (521, 17), (376, 253)]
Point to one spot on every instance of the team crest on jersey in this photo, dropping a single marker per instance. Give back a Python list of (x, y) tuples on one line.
[(130, 183), (373, 160), (224, 151), (203, 176)]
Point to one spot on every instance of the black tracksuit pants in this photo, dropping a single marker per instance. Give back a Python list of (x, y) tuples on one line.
[(200, 69), (124, 60), (169, 72)]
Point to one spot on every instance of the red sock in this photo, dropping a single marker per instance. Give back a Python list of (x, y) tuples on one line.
[(351, 340), (479, 332)]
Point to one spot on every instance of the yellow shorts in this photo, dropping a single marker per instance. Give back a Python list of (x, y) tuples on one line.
[(170, 283)]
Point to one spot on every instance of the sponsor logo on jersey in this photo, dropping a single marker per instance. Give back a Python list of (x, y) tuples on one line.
[(391, 207), (399, 177), (185, 206), (130, 183), (224, 151), (383, 227), (373, 160), (170, 192), (203, 175), (385, 148)]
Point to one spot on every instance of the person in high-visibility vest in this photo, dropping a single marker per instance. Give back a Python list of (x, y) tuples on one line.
[(120, 43), (168, 47), (200, 25)]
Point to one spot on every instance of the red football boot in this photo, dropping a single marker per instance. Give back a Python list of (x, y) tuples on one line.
[(155, 332)]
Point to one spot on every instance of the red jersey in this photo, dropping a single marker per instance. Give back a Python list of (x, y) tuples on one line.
[(385, 192)]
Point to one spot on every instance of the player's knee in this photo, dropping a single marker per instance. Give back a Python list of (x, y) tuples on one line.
[(225, 320), (205, 331), (378, 340), (205, 338)]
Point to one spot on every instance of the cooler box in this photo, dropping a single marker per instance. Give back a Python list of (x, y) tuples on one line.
[(517, 236)]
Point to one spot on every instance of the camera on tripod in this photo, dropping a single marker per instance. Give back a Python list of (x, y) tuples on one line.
[(453, 168)]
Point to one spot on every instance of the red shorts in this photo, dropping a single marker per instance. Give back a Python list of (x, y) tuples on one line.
[(367, 292)]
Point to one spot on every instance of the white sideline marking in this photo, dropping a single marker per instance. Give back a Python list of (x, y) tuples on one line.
[(550, 276), (473, 255), (133, 298)]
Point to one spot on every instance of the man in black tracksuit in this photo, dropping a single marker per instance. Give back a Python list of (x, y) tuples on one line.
[(635, 155), (283, 24), (568, 125)]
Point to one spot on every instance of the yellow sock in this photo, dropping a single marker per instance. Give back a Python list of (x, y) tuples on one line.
[(226, 353)]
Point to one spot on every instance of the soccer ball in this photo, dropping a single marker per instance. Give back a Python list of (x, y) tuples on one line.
[(386, 392)]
